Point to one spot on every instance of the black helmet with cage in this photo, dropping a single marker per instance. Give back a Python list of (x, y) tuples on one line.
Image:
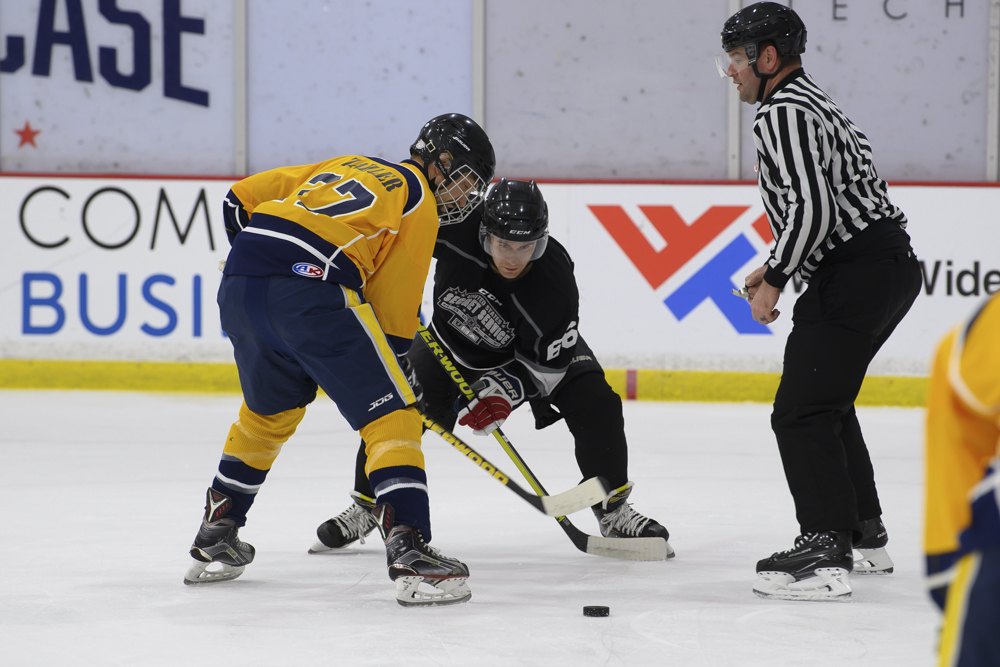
[(515, 215), (752, 26), (462, 152)]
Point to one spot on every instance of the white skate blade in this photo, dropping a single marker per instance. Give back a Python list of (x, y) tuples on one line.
[(320, 548), (417, 591), (630, 548), (580, 497), (199, 573), (828, 584), (873, 561)]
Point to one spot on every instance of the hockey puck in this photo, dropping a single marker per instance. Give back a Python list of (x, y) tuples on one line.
[(596, 611)]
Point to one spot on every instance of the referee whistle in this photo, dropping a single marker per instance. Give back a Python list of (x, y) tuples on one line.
[(743, 293)]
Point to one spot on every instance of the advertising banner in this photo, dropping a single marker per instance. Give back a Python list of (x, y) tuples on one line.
[(111, 268), (97, 87), (152, 86), (657, 265), (98, 268)]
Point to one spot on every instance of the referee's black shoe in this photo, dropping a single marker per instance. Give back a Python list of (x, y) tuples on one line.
[(816, 568), (874, 559)]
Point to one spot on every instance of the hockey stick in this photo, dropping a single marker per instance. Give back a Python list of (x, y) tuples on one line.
[(578, 498), (635, 548)]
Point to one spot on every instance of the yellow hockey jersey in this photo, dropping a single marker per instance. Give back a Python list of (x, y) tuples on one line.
[(963, 443), (362, 222)]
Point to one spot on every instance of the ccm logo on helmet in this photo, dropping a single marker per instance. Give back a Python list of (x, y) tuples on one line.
[(308, 270)]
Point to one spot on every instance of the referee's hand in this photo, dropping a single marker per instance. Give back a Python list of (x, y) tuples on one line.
[(763, 301), (753, 280)]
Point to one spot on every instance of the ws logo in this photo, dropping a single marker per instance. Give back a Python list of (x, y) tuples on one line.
[(712, 281)]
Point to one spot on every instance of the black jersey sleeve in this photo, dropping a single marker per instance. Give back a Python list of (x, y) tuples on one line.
[(549, 308), (459, 243)]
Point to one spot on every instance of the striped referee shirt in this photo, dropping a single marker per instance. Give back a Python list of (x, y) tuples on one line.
[(816, 177)]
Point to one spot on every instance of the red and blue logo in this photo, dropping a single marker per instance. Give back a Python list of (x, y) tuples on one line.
[(308, 270), (713, 281)]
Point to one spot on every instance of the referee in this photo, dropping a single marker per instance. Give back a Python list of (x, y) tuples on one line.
[(834, 225)]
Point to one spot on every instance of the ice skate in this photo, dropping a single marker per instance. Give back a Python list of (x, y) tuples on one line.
[(218, 552), (618, 519), (423, 576), (817, 568), (873, 558), (351, 525)]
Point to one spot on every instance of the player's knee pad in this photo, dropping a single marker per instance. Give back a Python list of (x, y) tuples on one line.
[(589, 397), (257, 439), (393, 440), (593, 414)]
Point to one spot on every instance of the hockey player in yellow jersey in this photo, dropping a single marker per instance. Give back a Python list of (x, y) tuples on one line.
[(322, 288), (962, 528)]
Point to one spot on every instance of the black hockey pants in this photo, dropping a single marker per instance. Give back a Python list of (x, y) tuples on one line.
[(592, 410), (840, 322)]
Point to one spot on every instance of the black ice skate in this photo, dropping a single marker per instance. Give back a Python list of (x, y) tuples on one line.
[(351, 525), (874, 558), (422, 575), (217, 544), (816, 568), (618, 519)]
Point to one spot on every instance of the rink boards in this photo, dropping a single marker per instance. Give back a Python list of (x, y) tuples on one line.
[(105, 270)]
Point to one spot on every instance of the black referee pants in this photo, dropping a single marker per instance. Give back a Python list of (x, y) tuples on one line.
[(839, 323), (591, 408)]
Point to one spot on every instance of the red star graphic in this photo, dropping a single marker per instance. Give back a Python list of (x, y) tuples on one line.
[(27, 135)]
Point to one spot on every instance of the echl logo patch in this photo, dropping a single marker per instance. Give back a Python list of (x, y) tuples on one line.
[(308, 270)]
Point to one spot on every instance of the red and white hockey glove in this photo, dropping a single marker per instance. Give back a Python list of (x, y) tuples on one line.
[(496, 395)]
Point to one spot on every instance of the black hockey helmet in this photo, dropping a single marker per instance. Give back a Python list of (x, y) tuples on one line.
[(462, 152), (761, 22), (516, 213), (749, 28)]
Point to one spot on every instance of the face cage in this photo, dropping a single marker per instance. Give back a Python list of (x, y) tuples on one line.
[(540, 244), (473, 187), (725, 60)]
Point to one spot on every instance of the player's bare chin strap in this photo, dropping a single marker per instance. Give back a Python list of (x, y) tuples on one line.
[(256, 439), (393, 440)]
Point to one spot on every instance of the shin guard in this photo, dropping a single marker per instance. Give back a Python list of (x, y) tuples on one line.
[(395, 467), (253, 444)]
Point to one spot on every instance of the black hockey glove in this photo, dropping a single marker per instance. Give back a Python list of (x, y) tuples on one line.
[(411, 377), (496, 394)]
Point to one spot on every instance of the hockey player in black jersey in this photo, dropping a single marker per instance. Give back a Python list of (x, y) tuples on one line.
[(506, 311)]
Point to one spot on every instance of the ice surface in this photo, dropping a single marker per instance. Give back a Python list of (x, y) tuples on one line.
[(101, 494)]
